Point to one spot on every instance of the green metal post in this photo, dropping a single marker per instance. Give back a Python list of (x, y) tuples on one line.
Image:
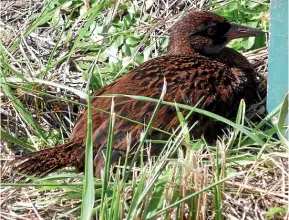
[(278, 54)]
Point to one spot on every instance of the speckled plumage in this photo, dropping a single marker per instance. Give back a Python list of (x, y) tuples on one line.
[(220, 79)]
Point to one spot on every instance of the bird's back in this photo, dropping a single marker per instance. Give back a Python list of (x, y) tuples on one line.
[(219, 86)]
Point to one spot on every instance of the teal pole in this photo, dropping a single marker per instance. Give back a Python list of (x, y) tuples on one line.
[(278, 54)]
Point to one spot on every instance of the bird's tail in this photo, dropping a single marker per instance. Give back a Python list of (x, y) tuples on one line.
[(45, 161)]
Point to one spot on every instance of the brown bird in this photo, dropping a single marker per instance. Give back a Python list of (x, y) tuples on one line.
[(198, 66)]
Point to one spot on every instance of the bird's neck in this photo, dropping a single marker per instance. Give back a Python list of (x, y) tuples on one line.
[(228, 56), (233, 59), (179, 46)]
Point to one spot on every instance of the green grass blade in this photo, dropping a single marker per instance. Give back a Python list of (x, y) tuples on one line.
[(88, 185), (162, 211), (240, 119), (52, 54), (116, 206), (146, 132), (137, 192), (200, 111), (282, 121), (8, 137), (44, 16), (92, 14), (16, 102), (107, 165), (217, 188), (183, 124)]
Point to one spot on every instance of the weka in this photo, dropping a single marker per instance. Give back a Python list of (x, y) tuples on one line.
[(198, 67)]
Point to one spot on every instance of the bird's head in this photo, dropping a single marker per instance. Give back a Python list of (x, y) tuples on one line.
[(206, 33)]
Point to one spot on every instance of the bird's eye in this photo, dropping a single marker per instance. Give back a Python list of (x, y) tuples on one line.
[(211, 30)]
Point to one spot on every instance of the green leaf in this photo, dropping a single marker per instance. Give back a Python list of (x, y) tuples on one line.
[(132, 40), (157, 198), (112, 52), (276, 210), (57, 19), (232, 6), (183, 124), (248, 42)]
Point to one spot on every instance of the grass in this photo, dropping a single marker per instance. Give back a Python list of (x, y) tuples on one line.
[(62, 44)]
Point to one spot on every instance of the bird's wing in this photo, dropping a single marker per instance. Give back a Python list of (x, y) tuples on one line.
[(188, 80)]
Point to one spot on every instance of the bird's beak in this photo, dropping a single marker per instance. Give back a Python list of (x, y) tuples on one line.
[(240, 31)]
